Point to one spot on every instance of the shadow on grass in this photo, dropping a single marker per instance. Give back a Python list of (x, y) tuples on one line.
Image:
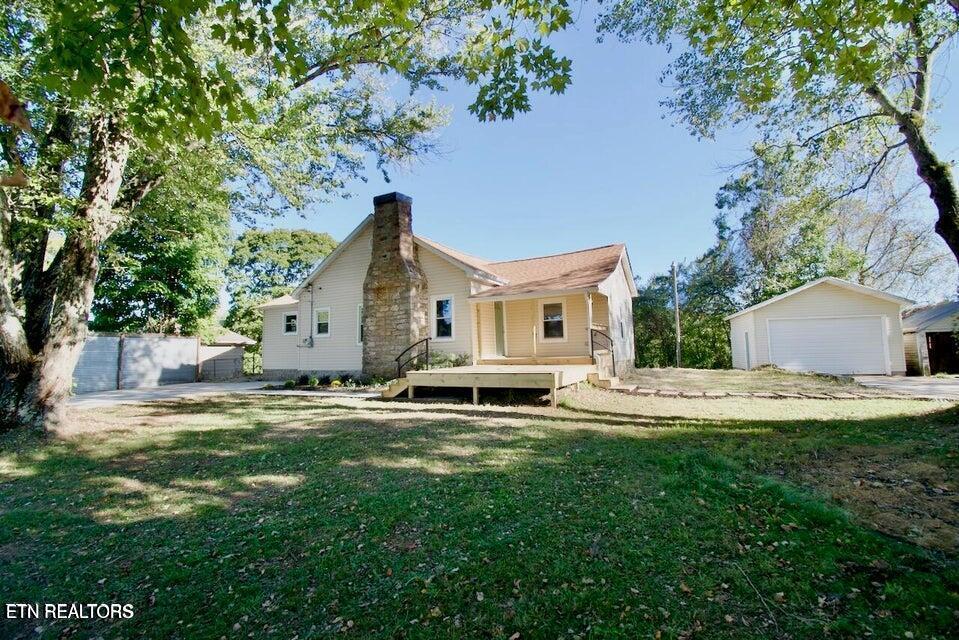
[(286, 516)]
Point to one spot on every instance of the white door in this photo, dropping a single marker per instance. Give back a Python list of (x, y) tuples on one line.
[(830, 345)]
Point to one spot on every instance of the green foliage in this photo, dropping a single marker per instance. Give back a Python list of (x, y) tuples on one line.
[(163, 270), (707, 290), (265, 265), (289, 384)]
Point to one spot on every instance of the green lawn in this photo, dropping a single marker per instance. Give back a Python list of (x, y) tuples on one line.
[(612, 517)]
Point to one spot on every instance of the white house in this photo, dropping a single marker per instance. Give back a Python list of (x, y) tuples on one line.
[(827, 326), (384, 289)]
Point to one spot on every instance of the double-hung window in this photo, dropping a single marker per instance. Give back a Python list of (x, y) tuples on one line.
[(323, 322), (553, 317), (442, 317), (289, 323)]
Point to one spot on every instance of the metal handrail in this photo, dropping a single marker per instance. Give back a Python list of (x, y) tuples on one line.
[(592, 346), (400, 365)]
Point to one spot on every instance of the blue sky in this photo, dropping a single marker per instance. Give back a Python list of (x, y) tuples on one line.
[(602, 163)]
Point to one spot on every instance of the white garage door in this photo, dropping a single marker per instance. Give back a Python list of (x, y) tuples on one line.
[(829, 345)]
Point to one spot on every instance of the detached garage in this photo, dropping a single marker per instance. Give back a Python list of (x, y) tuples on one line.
[(828, 326)]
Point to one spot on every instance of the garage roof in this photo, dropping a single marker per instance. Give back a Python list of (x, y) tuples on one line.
[(845, 284), (921, 317)]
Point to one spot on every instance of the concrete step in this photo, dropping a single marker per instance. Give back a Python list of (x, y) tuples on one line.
[(396, 388), (603, 382)]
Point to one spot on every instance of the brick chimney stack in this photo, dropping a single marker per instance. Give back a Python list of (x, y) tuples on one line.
[(395, 295)]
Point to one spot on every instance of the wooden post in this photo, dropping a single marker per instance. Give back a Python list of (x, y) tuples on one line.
[(552, 396), (679, 331), (475, 395), (409, 392)]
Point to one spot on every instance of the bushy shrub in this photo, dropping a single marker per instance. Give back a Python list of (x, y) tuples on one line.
[(314, 381), (335, 383), (303, 380), (289, 384), (323, 381)]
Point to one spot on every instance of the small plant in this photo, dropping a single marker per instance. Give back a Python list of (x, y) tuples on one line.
[(335, 383), (289, 384), (314, 381), (303, 380), (323, 381)]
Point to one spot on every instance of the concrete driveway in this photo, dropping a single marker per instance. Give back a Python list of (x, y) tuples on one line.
[(192, 390), (919, 386)]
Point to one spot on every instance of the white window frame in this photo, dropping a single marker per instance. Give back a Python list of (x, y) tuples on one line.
[(329, 322), (359, 325), (297, 330), (433, 317), (541, 320)]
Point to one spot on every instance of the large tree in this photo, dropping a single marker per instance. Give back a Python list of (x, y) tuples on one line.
[(289, 89), (266, 264), (162, 270), (810, 73)]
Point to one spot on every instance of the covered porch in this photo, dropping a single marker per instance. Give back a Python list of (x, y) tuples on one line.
[(555, 328)]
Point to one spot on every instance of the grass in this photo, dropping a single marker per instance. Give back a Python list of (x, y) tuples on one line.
[(613, 517), (759, 380)]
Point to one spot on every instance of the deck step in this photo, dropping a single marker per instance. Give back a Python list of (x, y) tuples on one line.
[(396, 387), (601, 381), (558, 360)]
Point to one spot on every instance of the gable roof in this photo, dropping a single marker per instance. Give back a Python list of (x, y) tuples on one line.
[(282, 301), (563, 271), (918, 318), (560, 272), (844, 284)]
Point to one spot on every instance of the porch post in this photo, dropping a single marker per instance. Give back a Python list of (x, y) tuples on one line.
[(589, 321), (476, 323)]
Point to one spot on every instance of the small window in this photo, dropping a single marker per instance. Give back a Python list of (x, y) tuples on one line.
[(289, 323), (443, 318), (554, 325), (622, 329), (359, 324), (323, 322)]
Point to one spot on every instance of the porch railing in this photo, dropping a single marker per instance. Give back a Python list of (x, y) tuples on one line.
[(605, 343), (400, 363)]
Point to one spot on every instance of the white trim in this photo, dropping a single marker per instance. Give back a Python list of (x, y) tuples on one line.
[(472, 272), (844, 284), (884, 321), (534, 295), (329, 322), (296, 332), (359, 324), (540, 331), (433, 318)]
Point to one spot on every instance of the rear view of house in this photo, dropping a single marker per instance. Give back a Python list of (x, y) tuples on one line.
[(385, 290), (827, 326)]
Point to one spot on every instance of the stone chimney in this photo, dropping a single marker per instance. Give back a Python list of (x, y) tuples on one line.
[(395, 298)]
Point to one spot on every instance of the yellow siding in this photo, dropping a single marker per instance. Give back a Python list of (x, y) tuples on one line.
[(487, 329), (445, 279), (523, 316), (279, 350)]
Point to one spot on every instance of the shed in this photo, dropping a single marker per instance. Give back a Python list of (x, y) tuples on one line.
[(928, 335), (826, 326), (221, 358)]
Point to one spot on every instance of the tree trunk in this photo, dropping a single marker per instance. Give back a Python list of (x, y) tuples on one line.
[(934, 172), (37, 382)]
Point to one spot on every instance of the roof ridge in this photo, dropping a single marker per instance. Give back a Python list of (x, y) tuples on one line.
[(446, 246), (564, 253)]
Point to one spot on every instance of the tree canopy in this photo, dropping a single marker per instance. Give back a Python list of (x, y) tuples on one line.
[(811, 76), (267, 264)]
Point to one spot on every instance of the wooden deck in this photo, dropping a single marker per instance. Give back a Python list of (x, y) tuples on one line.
[(509, 376)]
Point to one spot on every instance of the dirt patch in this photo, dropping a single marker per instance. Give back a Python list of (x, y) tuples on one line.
[(910, 499)]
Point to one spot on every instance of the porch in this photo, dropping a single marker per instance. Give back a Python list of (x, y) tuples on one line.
[(549, 377)]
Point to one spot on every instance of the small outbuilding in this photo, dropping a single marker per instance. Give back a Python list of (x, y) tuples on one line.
[(221, 358), (826, 326), (928, 335)]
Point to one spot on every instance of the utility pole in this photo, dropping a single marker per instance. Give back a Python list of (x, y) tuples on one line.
[(679, 331)]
